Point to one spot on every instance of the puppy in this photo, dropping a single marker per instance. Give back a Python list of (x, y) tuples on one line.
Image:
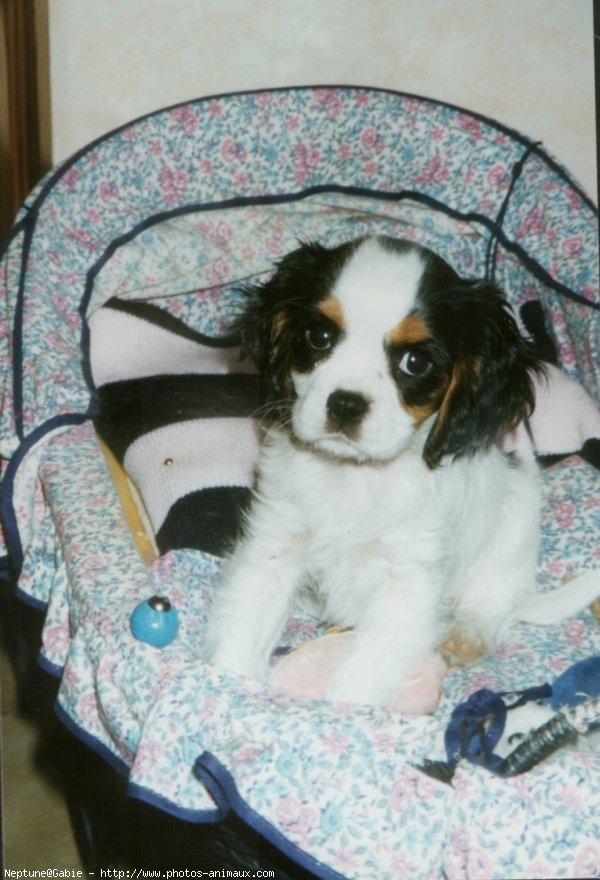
[(382, 495)]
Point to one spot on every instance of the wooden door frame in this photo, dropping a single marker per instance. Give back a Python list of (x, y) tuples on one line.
[(25, 113)]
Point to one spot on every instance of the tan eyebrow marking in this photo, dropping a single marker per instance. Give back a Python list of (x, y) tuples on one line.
[(420, 412), (409, 331), (332, 309)]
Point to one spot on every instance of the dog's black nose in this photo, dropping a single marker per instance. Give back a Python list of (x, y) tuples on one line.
[(346, 408)]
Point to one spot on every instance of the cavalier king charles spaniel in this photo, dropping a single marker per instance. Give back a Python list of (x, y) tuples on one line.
[(382, 496)]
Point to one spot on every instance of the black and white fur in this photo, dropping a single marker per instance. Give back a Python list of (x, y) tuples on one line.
[(382, 495)]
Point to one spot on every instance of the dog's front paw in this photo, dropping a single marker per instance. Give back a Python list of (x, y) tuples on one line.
[(465, 645)]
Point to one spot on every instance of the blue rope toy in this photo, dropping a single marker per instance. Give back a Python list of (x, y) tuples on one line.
[(476, 727)]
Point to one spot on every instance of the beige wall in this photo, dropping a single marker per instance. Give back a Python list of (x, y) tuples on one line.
[(527, 63)]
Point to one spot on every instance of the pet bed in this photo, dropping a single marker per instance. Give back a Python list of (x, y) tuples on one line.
[(119, 281)]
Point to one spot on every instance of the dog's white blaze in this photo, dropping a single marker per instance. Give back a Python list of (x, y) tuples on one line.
[(377, 289)]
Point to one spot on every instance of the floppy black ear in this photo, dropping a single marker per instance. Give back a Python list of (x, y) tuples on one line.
[(490, 370), (266, 326)]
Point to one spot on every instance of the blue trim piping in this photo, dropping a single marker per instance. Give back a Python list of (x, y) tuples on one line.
[(29, 227), (158, 801), (91, 741), (221, 786), (9, 517), (488, 120), (285, 198), (492, 251), (5, 568), (31, 601), (220, 783), (139, 792), (239, 202), (48, 666)]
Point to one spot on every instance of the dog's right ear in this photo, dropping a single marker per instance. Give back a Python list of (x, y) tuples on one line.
[(490, 381), (266, 326)]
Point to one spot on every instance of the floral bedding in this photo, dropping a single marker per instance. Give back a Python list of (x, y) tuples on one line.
[(177, 208)]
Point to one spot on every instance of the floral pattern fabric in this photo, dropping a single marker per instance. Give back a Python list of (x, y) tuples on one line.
[(331, 779), (179, 207), (264, 151)]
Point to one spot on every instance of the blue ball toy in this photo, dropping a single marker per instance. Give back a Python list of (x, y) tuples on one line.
[(155, 621)]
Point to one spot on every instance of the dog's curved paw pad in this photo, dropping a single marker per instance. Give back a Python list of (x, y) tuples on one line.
[(462, 650)]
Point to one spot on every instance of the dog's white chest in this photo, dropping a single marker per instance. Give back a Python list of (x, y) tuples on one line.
[(356, 522)]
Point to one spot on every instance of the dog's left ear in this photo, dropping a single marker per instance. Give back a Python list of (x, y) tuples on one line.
[(261, 327), (489, 388)]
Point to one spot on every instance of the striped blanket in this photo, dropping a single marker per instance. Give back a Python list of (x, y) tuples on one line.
[(177, 407)]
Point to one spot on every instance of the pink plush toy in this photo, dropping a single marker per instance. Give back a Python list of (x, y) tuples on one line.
[(308, 670), (565, 420)]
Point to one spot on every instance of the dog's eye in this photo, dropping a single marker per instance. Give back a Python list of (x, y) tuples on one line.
[(319, 338), (415, 363)]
